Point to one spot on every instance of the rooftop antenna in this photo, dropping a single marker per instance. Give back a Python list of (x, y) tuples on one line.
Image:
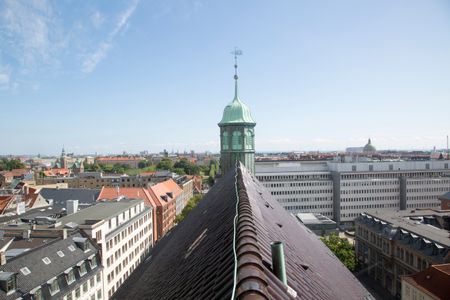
[(448, 154), (236, 52)]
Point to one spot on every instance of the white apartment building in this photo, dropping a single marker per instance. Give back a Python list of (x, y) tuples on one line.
[(123, 231), (342, 190)]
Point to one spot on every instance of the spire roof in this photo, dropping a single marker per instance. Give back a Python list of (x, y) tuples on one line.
[(236, 112)]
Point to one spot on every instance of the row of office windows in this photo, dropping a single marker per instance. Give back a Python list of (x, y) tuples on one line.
[(293, 177), (395, 175), (423, 205), (301, 192), (368, 206), (310, 199), (429, 190), (372, 198), (423, 197), (308, 207), (370, 191), (370, 183)]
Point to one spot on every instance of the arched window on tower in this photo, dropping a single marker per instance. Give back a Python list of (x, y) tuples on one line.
[(249, 139), (225, 141), (236, 140)]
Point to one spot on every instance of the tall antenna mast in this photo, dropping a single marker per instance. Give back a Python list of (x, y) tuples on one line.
[(236, 52), (448, 154)]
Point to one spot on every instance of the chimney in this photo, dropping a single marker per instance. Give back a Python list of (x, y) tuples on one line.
[(72, 206), (278, 264), (26, 234), (2, 258)]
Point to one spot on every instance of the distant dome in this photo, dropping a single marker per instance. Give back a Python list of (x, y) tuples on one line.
[(236, 113), (369, 147)]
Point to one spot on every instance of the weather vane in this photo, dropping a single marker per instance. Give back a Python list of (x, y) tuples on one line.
[(236, 52)]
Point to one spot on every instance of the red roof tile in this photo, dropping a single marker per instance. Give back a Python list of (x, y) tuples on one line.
[(4, 202), (434, 280)]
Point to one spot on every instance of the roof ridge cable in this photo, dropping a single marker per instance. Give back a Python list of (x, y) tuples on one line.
[(236, 216)]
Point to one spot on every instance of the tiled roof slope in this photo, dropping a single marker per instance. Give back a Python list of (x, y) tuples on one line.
[(60, 196), (42, 272), (434, 280), (195, 260)]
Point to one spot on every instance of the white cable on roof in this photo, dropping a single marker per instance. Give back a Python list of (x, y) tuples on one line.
[(234, 234)]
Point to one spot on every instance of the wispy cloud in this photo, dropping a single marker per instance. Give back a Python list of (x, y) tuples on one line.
[(4, 77), (93, 59), (97, 19), (29, 33)]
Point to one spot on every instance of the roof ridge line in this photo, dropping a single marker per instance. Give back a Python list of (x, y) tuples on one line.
[(251, 279)]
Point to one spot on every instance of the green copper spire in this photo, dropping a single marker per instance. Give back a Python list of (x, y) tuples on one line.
[(236, 112), (237, 131)]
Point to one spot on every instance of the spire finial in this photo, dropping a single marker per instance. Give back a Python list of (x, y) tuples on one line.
[(236, 52)]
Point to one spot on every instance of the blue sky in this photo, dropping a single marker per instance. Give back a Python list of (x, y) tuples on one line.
[(113, 76)]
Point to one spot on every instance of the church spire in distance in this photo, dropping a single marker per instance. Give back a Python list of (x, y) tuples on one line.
[(236, 52)]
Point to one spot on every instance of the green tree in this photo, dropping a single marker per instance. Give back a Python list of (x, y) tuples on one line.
[(10, 164), (187, 209), (164, 164), (143, 164), (342, 249), (188, 167)]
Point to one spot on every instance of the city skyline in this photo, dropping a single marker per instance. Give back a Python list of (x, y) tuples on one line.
[(133, 76)]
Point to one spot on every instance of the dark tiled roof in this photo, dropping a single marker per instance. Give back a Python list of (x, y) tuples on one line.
[(42, 272), (60, 196), (195, 260)]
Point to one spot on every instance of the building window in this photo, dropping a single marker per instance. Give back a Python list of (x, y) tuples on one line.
[(37, 294), (249, 139), (98, 277), (77, 293), (236, 140), (54, 287), (9, 284), (69, 296), (94, 262), (85, 287), (70, 277), (99, 294), (83, 269)]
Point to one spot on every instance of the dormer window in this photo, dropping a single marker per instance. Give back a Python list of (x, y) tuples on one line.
[(36, 293), (81, 243), (94, 262), (8, 281), (83, 269), (70, 276), (53, 286)]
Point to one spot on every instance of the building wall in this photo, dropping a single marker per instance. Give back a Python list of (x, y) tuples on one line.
[(410, 292), (387, 259), (125, 239), (301, 192), (344, 190)]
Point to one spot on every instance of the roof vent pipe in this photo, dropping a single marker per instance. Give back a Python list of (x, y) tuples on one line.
[(278, 264)]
